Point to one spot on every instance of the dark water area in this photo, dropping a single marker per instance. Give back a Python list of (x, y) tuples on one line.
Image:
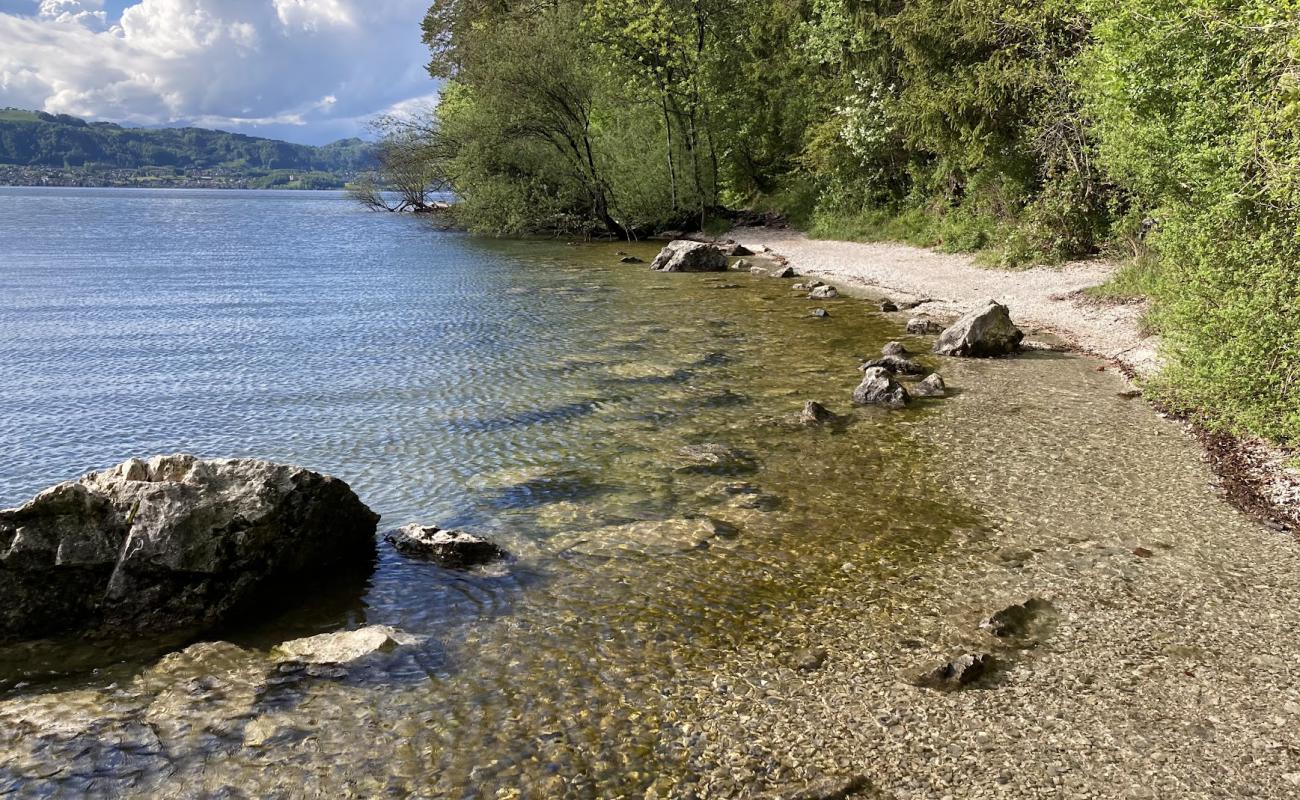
[(535, 392)]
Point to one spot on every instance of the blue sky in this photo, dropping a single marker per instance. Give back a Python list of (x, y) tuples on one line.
[(303, 70)]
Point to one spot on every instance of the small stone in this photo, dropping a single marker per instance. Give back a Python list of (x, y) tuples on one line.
[(820, 313), (1020, 620), (810, 660), (756, 270), (888, 305), (786, 271), (631, 260), (931, 386), (1142, 552), (815, 413), (897, 365), (921, 325), (961, 671), (451, 549), (893, 349), (879, 388), (823, 293)]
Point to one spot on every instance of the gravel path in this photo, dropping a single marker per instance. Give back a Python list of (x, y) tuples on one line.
[(1044, 299)]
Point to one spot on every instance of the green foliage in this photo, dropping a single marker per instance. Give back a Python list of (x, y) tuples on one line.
[(1028, 132)]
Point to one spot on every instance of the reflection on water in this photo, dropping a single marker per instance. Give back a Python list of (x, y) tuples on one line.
[(539, 393)]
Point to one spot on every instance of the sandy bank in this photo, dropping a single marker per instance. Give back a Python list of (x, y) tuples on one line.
[(1042, 300)]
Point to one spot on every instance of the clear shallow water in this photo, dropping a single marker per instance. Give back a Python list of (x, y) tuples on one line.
[(535, 392)]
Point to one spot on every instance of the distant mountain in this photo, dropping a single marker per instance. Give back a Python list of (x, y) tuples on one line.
[(58, 148)]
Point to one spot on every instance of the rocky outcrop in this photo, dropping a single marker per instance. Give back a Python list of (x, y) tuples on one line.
[(687, 256), (878, 388), (932, 386), (451, 549), (986, 331), (173, 542)]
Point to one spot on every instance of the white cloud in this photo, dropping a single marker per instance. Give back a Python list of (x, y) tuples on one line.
[(322, 65)]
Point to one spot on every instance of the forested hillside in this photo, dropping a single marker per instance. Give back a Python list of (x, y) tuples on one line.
[(1162, 132), (36, 139)]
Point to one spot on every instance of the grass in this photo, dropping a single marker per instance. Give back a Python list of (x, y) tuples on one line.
[(1136, 279)]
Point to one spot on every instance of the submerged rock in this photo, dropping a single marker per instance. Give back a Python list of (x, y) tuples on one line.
[(878, 388), (173, 542), (960, 672), (823, 293), (647, 537), (714, 458), (820, 313), (757, 270), (931, 386), (922, 325), (896, 364), (815, 413), (986, 331), (893, 349), (631, 260), (342, 647), (451, 549), (686, 256), (1027, 620)]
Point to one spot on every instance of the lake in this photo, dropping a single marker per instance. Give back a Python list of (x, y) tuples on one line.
[(540, 393)]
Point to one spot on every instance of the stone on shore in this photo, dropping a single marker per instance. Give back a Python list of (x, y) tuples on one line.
[(684, 255), (931, 386), (878, 388), (922, 325), (823, 293), (786, 271), (342, 647), (173, 542), (451, 549), (987, 331)]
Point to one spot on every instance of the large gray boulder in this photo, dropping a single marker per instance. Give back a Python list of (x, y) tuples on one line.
[(878, 388), (687, 256), (986, 331), (173, 542)]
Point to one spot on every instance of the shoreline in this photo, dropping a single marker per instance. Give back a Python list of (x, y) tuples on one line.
[(1254, 474)]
